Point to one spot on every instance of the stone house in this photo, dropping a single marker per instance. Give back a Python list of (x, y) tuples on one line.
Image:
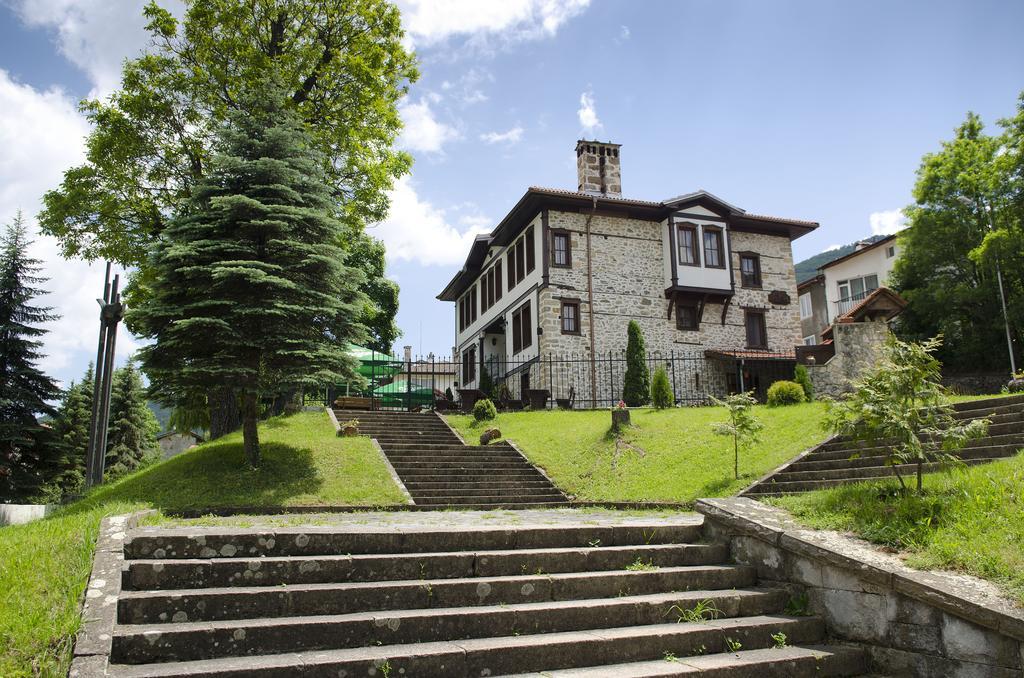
[(543, 301)]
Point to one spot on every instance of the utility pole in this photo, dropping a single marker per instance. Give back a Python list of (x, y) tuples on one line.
[(111, 313)]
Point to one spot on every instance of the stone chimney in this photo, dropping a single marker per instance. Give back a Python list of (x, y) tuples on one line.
[(598, 169)]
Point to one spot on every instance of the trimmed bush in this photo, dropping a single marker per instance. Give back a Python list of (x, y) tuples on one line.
[(785, 393), (636, 391), (661, 390), (801, 377), (484, 409)]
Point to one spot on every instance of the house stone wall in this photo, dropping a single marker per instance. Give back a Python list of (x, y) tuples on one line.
[(628, 275)]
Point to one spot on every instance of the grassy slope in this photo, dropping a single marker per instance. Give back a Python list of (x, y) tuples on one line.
[(44, 566), (968, 520), (681, 458)]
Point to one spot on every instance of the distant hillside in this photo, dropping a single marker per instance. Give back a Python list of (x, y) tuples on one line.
[(808, 268)]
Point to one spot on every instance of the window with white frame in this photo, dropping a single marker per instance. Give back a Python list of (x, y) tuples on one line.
[(856, 289), (810, 341), (806, 309)]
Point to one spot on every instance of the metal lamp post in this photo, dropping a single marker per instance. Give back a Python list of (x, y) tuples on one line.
[(999, 281)]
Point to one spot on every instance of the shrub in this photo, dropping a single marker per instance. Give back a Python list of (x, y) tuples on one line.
[(785, 393), (484, 409), (801, 377), (636, 389), (661, 390)]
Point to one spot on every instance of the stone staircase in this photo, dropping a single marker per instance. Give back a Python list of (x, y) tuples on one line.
[(841, 461), (487, 598), (440, 470)]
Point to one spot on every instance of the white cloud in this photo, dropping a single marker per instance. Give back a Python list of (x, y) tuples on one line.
[(422, 131), (95, 35), (511, 136), (431, 21), (832, 247), (42, 135), (417, 231), (887, 222), (624, 34), (587, 113)]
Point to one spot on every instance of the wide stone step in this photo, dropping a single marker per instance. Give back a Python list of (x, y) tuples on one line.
[(414, 454), (446, 466), (774, 488), (274, 571), (491, 490), (393, 438), (814, 463), (835, 451), (873, 471), (219, 604), (432, 472), (509, 654), (489, 481), (204, 640), (998, 424), (240, 543), (512, 498), (987, 403), (442, 461), (775, 662)]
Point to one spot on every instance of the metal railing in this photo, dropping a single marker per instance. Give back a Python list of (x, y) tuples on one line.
[(844, 305)]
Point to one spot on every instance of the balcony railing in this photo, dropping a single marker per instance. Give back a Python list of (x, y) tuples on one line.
[(844, 305)]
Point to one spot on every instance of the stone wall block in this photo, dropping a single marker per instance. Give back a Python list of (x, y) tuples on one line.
[(971, 643), (855, 616)]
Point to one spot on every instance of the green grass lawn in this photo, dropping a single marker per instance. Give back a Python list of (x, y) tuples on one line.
[(970, 520), (44, 566), (668, 455)]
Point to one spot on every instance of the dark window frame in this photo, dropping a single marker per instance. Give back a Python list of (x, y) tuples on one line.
[(758, 281), (574, 304), (694, 249), (687, 327), (520, 261), (719, 250), (762, 327), (497, 281), (469, 365), (522, 329), (531, 251), (556, 234)]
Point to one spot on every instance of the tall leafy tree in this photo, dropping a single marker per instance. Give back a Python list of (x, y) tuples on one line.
[(378, 313), (250, 287), (131, 436), (72, 429), (29, 455), (947, 271), (343, 69), (636, 387)]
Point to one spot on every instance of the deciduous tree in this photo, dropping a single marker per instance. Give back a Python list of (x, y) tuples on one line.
[(742, 426)]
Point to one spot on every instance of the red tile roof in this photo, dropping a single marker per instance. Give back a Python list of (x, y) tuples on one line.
[(752, 355)]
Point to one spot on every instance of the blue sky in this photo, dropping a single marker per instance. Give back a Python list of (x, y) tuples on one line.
[(815, 110)]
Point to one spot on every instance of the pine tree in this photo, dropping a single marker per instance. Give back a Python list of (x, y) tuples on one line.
[(250, 289), (661, 390), (636, 390), (29, 457), (72, 430), (131, 437)]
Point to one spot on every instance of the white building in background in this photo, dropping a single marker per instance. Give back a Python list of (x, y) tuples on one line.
[(850, 279)]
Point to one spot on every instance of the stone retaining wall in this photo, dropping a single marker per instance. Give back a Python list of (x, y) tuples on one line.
[(912, 623)]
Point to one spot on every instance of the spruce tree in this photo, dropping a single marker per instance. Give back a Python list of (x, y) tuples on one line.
[(72, 429), (636, 389), (29, 457), (250, 291), (131, 436)]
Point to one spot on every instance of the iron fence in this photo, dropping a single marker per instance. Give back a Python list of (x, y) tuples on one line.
[(570, 381)]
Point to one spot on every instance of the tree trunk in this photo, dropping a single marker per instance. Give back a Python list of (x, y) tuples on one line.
[(250, 435), (224, 414), (736, 457)]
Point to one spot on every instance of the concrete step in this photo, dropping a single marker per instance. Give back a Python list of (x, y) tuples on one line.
[(814, 463), (393, 438), (493, 490), (492, 498), (491, 482), (444, 466), (432, 472), (776, 488), (999, 425), (206, 640), (880, 447), (775, 662), (509, 654), (988, 403), (273, 571), (248, 602), (452, 458), (874, 471), (213, 542)]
